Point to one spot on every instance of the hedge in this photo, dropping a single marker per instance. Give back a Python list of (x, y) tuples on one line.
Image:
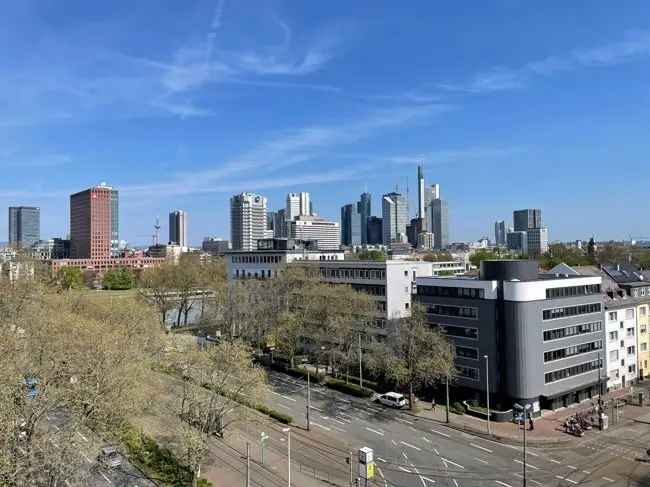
[(352, 389), (302, 374), (369, 384)]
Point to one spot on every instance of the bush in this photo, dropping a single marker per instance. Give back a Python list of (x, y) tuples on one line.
[(277, 415), (457, 408), (302, 374), (369, 384), (352, 389)]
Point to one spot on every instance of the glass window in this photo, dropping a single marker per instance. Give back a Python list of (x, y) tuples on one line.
[(612, 316), (629, 314)]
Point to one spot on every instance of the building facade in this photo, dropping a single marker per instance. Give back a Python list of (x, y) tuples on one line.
[(526, 219), (298, 204), (375, 230), (621, 344), (115, 221), (351, 225), (247, 220), (178, 228), (91, 223), (365, 210), (517, 241), (215, 246), (395, 217), (500, 233), (543, 336), (326, 233), (530, 221), (24, 226)]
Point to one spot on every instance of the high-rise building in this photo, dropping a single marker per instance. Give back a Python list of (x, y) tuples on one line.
[(364, 207), (394, 210), (178, 228), (500, 233), (530, 221), (420, 193), (115, 220), (375, 231), (517, 241), (326, 233), (437, 217), (537, 241), (24, 226), (270, 221), (351, 224), (298, 204), (91, 223), (280, 224), (425, 241), (215, 246), (247, 220)]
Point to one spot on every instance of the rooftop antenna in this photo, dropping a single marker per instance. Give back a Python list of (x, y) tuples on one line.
[(156, 234)]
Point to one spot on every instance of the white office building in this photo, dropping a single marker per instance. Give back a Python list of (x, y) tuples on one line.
[(395, 217), (298, 204), (247, 220), (326, 233)]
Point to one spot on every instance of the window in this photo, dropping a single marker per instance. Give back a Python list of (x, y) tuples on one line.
[(573, 330), (468, 373), (572, 350), (459, 331), (447, 310), (643, 310), (450, 292), (467, 353), (613, 316), (644, 347), (613, 336), (406, 306), (613, 356), (630, 350), (630, 332), (561, 374), (563, 292), (632, 369), (629, 314), (581, 309)]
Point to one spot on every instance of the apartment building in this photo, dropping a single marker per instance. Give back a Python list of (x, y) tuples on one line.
[(540, 335), (620, 319)]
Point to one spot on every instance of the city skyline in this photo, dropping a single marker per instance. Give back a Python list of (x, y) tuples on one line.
[(203, 106)]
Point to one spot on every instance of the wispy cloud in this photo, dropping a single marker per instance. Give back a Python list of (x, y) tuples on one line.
[(450, 156), (636, 44), (405, 97)]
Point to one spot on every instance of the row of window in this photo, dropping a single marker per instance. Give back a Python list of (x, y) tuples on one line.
[(256, 259), (581, 309), (614, 315), (370, 289), (459, 331), (448, 310), (467, 352), (572, 350), (353, 273), (567, 292), (470, 373), (561, 374), (641, 292), (569, 331), (450, 292), (264, 274)]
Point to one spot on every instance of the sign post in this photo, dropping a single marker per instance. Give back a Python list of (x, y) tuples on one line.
[(366, 464)]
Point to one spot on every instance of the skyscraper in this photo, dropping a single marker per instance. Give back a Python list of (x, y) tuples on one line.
[(178, 228), (365, 210), (375, 230), (247, 220), (24, 226), (115, 220), (500, 233), (530, 221), (298, 204), (420, 193), (394, 210), (91, 223), (351, 224), (437, 217), (326, 233)]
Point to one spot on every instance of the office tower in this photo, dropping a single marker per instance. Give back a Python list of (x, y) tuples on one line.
[(280, 224), (395, 214), (91, 223), (247, 220), (375, 231), (215, 246), (24, 226), (437, 217), (351, 221), (326, 233), (517, 241), (298, 204), (526, 219), (425, 241), (115, 220), (365, 210), (271, 216), (420, 193), (500, 233), (178, 228), (537, 241)]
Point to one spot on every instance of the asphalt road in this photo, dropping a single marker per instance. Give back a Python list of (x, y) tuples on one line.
[(411, 451)]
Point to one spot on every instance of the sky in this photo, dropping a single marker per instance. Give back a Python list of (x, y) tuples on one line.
[(181, 104)]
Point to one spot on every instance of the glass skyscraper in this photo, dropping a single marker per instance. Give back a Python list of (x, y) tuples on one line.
[(24, 226)]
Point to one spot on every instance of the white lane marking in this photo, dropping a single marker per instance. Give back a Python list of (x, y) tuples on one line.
[(572, 481), (608, 479), (283, 397), (559, 477), (527, 464), (380, 473), (84, 455), (465, 435), (380, 433), (283, 406), (482, 461), (82, 437), (340, 430), (503, 483), (571, 467), (480, 447), (440, 433), (554, 461), (426, 439), (410, 446), (445, 460), (405, 456), (536, 482), (586, 472), (67, 483), (413, 429), (317, 409), (429, 480), (455, 482), (437, 452), (107, 479), (404, 469), (403, 420), (379, 459), (393, 442), (321, 426), (532, 453)]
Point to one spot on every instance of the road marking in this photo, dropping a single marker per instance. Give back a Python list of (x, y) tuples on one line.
[(317, 409), (608, 479), (283, 397), (380, 473), (283, 406), (56, 427), (572, 481), (84, 455), (338, 421), (404, 455), (437, 452), (83, 437), (426, 439), (527, 464), (455, 482), (403, 420), (428, 479), (480, 447), (67, 483), (482, 461), (418, 472), (340, 430), (449, 461), (586, 472), (440, 433), (536, 482), (554, 461), (393, 442), (571, 467), (413, 429), (321, 426), (503, 483), (410, 446), (379, 459), (375, 431), (107, 479), (559, 477), (465, 435), (403, 469)]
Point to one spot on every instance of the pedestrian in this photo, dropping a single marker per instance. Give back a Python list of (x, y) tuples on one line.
[(433, 404), (530, 421)]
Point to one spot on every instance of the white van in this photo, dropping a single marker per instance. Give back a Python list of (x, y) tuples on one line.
[(392, 399)]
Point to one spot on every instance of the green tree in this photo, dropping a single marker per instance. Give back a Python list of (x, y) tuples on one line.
[(69, 278), (437, 257), (119, 279), (376, 255)]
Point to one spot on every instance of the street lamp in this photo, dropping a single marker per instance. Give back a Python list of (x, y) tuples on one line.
[(288, 432), (523, 410), (487, 391)]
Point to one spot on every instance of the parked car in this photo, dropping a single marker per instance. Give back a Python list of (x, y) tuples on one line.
[(109, 457), (392, 399)]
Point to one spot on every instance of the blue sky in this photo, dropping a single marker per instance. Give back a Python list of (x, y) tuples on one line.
[(182, 104)]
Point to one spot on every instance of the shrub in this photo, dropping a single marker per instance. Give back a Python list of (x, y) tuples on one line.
[(369, 384), (302, 374), (352, 389), (457, 408)]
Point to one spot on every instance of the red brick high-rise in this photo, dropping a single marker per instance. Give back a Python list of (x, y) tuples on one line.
[(90, 223)]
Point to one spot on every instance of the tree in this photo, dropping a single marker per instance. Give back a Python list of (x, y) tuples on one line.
[(591, 249), (69, 278), (414, 355), (437, 257), (119, 279), (376, 255)]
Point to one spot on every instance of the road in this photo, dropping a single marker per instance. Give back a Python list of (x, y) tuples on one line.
[(412, 451)]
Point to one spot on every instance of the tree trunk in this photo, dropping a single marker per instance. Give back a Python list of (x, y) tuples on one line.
[(411, 397)]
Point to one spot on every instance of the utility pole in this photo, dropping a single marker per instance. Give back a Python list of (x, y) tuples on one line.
[(447, 394), (350, 465), (524, 424), (248, 464), (288, 432), (487, 387), (360, 362), (308, 399)]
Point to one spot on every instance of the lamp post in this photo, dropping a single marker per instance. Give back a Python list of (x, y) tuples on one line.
[(523, 410), (487, 391), (288, 432)]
